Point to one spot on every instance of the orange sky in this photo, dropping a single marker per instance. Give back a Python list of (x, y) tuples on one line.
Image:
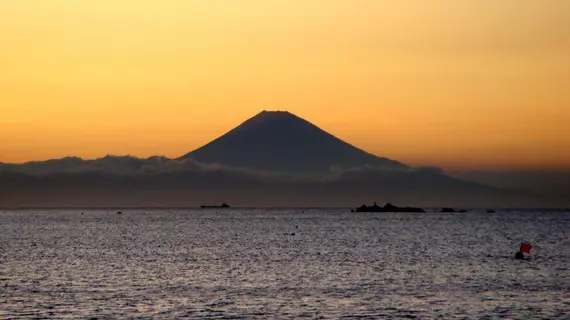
[(481, 84)]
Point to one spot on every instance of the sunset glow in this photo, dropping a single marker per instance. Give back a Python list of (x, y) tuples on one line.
[(459, 84)]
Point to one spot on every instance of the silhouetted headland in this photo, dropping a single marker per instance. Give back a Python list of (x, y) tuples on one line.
[(386, 208)]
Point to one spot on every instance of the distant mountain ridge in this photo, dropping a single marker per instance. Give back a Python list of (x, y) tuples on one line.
[(128, 181), (272, 159), (280, 141)]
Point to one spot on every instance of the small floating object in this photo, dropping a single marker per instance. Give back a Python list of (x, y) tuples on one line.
[(119, 212), (524, 248), (223, 206)]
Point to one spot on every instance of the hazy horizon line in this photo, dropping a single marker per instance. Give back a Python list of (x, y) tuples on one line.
[(506, 208)]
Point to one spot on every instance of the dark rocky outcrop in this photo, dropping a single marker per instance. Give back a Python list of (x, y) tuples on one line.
[(386, 208)]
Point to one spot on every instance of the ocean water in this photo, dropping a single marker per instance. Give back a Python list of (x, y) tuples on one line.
[(282, 264)]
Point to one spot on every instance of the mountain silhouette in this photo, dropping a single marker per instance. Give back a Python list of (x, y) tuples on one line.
[(280, 141), (272, 159)]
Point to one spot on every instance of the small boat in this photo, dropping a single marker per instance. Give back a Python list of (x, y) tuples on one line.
[(223, 206)]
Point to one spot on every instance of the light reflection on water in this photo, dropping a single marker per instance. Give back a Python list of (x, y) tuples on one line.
[(165, 264)]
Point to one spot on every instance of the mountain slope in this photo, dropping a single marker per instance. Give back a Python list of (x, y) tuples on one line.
[(282, 142)]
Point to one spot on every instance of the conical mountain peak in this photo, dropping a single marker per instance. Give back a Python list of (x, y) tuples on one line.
[(273, 113), (283, 142), (266, 116)]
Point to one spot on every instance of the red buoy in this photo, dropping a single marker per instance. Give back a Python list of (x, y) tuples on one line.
[(525, 247)]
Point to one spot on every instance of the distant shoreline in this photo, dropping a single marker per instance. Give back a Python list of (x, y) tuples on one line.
[(429, 209)]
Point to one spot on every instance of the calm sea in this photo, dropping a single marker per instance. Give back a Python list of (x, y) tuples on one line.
[(281, 264)]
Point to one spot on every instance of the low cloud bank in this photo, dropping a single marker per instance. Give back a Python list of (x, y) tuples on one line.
[(156, 165), (159, 181)]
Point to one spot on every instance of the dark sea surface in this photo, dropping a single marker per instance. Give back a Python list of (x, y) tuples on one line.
[(282, 264)]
